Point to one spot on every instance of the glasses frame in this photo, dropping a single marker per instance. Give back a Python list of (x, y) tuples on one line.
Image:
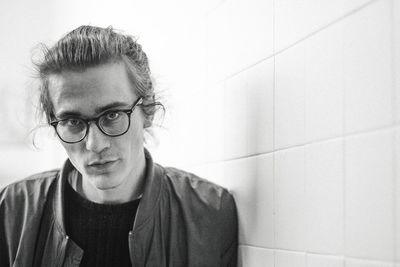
[(96, 120)]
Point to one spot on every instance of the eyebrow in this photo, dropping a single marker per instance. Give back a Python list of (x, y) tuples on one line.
[(113, 105)]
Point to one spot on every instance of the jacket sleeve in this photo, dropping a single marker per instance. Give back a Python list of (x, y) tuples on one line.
[(4, 255), (229, 231)]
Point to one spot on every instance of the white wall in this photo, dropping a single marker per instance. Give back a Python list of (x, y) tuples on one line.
[(293, 105), (305, 113), (23, 24)]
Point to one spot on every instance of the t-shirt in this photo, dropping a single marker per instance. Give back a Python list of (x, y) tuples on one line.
[(101, 230)]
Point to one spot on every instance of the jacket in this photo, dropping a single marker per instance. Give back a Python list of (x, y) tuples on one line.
[(182, 220)]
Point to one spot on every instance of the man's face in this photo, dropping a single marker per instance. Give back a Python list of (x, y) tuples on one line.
[(106, 162)]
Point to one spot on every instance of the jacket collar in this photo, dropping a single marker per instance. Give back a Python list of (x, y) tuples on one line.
[(151, 194)]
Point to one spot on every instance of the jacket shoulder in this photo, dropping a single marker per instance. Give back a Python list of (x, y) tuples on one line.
[(21, 206), (207, 203), (35, 186), (188, 185)]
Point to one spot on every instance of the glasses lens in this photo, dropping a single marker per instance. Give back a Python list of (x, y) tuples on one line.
[(71, 130), (114, 123)]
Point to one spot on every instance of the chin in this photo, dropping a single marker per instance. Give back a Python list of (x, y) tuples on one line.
[(104, 182)]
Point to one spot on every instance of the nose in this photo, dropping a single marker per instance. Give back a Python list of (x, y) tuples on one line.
[(96, 141)]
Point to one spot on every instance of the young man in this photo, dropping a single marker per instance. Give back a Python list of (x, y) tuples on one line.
[(110, 204)]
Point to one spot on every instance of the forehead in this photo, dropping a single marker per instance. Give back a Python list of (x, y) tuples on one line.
[(84, 92)]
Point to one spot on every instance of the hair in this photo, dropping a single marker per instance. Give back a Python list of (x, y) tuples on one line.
[(90, 46)]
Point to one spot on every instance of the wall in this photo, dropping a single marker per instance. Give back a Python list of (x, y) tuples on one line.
[(302, 125), (293, 105), (23, 24)]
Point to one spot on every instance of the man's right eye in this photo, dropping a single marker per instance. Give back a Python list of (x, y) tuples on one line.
[(72, 122)]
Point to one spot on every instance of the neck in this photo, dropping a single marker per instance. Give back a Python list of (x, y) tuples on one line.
[(131, 188)]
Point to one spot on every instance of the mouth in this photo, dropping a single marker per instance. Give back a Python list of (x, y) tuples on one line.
[(100, 162), (101, 165)]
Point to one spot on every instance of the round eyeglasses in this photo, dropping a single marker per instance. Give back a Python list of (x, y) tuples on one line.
[(112, 123)]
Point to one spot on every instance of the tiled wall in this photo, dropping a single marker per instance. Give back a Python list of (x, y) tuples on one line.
[(298, 115)]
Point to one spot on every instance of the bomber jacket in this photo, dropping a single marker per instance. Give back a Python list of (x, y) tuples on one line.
[(182, 220)]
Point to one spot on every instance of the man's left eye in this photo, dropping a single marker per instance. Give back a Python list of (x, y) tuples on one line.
[(112, 115)]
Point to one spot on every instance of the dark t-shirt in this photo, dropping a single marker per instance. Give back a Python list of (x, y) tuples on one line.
[(101, 230)]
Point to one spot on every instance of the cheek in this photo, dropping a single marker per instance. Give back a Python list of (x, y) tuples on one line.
[(134, 137), (132, 141), (73, 151), (136, 128)]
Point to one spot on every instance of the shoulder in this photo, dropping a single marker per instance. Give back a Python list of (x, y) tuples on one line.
[(210, 206), (33, 188), (21, 206), (187, 185)]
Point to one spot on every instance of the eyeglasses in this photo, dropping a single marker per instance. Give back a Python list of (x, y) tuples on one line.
[(112, 123)]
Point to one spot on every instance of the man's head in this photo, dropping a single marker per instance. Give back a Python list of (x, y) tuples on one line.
[(89, 46), (95, 73)]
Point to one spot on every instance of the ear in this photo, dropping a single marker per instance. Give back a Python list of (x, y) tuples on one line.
[(147, 123)]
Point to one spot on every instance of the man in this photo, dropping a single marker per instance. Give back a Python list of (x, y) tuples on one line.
[(110, 205)]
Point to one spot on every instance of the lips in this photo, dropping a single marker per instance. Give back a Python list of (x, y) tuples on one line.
[(101, 165), (100, 162)]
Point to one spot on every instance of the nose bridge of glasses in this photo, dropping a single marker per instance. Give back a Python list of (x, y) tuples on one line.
[(96, 122), (96, 139)]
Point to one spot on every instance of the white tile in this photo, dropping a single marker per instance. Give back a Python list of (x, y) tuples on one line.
[(369, 229), (255, 257), (352, 5), (184, 130), (184, 60), (396, 45), (289, 259), (289, 97), (314, 260), (324, 84), (290, 199), (214, 109), (248, 114), (251, 182), (367, 68), (295, 19), (217, 45), (240, 34), (397, 194), (324, 192), (367, 263)]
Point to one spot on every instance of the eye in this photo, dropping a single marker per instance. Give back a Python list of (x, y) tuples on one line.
[(73, 122), (112, 116)]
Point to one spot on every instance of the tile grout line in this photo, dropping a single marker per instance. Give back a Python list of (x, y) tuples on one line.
[(305, 195), (273, 134), (395, 218), (394, 134), (393, 61), (344, 173), (344, 205)]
